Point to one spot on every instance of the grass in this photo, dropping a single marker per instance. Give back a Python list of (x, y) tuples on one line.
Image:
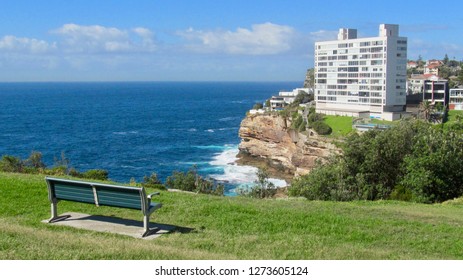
[(233, 228), (341, 125), (452, 115)]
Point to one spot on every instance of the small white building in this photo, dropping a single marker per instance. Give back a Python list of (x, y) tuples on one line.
[(286, 97), (456, 98)]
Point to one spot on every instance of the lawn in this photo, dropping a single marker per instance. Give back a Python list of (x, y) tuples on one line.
[(341, 125), (233, 228), (452, 116)]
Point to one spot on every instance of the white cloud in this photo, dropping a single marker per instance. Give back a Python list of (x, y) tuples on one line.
[(100, 39), (323, 35), (261, 39), (25, 45)]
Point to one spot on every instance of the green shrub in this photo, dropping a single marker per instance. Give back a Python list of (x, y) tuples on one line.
[(192, 182), (208, 186), (313, 117), (96, 174), (56, 171), (298, 123), (321, 128), (263, 188), (11, 164), (35, 161), (152, 181), (258, 106)]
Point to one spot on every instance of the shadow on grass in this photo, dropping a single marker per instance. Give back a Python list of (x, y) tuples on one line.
[(117, 225)]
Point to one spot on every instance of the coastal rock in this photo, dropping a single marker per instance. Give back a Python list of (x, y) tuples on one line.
[(267, 140)]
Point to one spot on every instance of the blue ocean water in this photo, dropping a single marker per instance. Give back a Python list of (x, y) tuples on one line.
[(132, 128)]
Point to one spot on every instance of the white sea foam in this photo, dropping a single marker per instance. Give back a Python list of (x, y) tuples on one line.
[(227, 119), (240, 175), (125, 132), (210, 130)]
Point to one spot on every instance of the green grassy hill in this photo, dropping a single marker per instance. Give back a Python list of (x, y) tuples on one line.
[(233, 228)]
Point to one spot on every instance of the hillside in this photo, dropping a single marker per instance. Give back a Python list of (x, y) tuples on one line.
[(233, 228)]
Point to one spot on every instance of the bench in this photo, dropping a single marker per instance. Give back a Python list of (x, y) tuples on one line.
[(100, 194)]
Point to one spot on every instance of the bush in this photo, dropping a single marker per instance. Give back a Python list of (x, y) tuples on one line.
[(412, 161), (96, 174), (152, 181), (258, 106), (321, 128), (192, 182), (298, 123), (35, 161), (262, 188), (11, 164), (313, 117)]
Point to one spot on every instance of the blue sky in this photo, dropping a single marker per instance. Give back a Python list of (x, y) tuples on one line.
[(173, 40)]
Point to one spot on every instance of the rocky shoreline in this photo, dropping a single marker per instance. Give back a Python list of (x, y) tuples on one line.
[(268, 141)]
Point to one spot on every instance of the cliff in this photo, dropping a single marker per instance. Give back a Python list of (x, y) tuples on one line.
[(267, 140)]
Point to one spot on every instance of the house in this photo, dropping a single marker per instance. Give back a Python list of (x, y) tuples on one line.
[(286, 97), (416, 83), (436, 92), (432, 69), (456, 98), (412, 65)]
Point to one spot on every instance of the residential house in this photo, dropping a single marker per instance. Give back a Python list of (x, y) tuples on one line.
[(456, 98)]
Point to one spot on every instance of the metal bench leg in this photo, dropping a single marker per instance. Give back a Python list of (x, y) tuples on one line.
[(146, 225), (54, 212)]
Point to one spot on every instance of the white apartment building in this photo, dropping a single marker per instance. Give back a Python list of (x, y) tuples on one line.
[(355, 76)]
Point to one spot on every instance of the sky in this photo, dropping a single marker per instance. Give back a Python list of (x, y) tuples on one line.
[(200, 40)]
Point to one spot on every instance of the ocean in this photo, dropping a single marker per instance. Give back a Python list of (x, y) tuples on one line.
[(132, 129)]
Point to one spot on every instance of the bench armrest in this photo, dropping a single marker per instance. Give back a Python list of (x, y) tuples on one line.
[(150, 195)]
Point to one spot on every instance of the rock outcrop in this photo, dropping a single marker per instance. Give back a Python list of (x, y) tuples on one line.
[(268, 139)]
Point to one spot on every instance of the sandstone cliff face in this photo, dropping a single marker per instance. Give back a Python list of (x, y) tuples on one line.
[(268, 138)]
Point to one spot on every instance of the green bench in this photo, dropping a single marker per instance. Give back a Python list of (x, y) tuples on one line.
[(100, 194)]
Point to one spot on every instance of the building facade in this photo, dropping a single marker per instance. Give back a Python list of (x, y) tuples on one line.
[(456, 98), (286, 97), (436, 92), (416, 82), (354, 75)]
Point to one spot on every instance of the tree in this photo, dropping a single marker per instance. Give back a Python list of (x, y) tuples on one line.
[(310, 78), (262, 188), (258, 106), (35, 161), (433, 171), (426, 109), (420, 62), (446, 60)]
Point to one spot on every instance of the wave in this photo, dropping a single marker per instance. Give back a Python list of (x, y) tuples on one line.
[(228, 128), (241, 176), (210, 130), (212, 147), (228, 119), (125, 132)]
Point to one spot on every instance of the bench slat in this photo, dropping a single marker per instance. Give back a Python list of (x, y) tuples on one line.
[(74, 193), (119, 198)]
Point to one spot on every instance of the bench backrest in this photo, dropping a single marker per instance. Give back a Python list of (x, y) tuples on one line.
[(96, 193)]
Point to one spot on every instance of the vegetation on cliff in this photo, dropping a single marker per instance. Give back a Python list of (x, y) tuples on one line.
[(413, 160)]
